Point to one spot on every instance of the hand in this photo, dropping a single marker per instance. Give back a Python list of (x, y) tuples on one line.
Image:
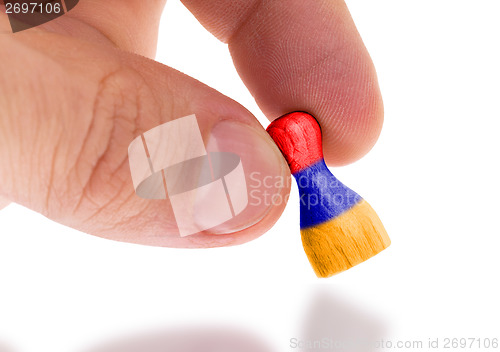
[(76, 91)]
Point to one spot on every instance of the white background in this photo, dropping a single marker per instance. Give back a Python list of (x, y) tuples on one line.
[(432, 178)]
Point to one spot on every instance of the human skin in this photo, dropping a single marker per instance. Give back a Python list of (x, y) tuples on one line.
[(74, 93)]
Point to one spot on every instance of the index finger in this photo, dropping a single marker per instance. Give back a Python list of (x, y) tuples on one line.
[(303, 55)]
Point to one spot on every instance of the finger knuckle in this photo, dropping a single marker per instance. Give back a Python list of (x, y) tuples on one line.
[(101, 175)]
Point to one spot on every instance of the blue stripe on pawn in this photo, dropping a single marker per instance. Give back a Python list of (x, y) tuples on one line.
[(322, 196)]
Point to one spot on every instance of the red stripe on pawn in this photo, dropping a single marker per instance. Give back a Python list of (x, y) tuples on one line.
[(298, 135)]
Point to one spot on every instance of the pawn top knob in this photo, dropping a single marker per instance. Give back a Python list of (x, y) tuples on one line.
[(298, 136)]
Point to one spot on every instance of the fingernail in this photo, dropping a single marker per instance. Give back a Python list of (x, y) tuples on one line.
[(221, 187), (249, 168)]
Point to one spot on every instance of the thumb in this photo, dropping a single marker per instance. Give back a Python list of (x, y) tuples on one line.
[(67, 126)]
